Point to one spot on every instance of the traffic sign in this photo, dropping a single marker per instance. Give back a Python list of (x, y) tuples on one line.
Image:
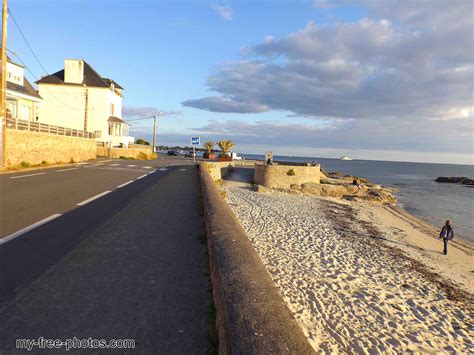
[(195, 140)]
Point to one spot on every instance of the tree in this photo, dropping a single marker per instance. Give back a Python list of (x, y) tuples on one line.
[(208, 146), (226, 146), (141, 141)]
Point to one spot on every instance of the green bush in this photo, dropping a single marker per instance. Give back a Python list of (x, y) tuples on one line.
[(44, 162), (25, 164), (291, 172)]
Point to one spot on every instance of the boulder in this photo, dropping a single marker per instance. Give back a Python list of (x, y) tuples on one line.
[(263, 189), (374, 196), (295, 187), (324, 190), (456, 180)]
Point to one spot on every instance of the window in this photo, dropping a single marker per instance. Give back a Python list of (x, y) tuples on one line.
[(12, 106), (25, 113), (112, 109)]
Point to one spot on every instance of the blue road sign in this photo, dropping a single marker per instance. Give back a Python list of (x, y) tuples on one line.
[(195, 140)]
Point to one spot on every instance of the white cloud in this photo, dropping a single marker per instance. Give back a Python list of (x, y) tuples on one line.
[(405, 67), (224, 11), (141, 111)]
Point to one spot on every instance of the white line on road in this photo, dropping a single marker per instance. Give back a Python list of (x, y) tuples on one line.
[(27, 229), (131, 166), (141, 177), (59, 171), (125, 184), (22, 176), (182, 169), (114, 164), (147, 167), (163, 169), (151, 172), (99, 164), (81, 163), (93, 198)]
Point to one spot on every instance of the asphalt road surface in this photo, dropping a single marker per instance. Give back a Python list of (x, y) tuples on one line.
[(32, 197), (128, 265)]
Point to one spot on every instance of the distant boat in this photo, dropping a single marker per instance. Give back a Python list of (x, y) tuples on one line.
[(345, 157)]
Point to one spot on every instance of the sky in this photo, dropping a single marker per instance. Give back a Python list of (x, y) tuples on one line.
[(382, 80)]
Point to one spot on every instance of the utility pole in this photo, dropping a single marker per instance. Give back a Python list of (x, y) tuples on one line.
[(154, 133), (86, 109), (3, 81)]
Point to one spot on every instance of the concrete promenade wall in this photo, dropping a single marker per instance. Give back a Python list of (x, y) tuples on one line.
[(281, 176), (251, 316), (116, 153), (34, 147)]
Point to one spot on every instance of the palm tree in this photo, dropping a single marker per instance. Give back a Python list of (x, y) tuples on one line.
[(209, 145), (226, 146)]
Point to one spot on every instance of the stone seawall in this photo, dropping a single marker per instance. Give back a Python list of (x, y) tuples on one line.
[(34, 148), (282, 176)]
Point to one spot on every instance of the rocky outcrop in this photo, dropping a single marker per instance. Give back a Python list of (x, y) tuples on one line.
[(456, 180), (372, 194)]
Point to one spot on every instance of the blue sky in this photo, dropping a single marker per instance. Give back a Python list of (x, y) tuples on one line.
[(375, 80)]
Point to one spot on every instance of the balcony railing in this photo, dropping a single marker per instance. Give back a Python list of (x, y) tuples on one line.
[(24, 125)]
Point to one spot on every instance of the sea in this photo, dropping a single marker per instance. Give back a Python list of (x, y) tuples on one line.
[(417, 193)]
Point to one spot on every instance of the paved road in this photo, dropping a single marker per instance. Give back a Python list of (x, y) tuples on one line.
[(141, 275), (30, 196)]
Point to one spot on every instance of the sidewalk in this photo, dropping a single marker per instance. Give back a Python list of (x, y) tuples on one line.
[(141, 276)]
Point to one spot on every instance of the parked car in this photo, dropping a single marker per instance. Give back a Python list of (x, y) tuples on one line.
[(189, 154), (172, 152)]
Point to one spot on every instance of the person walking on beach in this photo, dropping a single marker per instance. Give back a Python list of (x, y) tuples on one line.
[(447, 233)]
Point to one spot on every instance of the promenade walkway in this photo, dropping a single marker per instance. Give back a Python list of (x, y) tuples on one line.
[(141, 276)]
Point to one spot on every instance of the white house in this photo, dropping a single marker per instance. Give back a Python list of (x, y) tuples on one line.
[(78, 97), (22, 98)]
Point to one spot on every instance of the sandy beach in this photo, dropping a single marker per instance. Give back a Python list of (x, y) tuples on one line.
[(359, 277)]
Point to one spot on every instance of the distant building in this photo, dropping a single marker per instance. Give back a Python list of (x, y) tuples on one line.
[(78, 97), (22, 98)]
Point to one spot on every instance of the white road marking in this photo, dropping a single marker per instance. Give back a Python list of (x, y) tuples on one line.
[(182, 169), (151, 172), (125, 184), (81, 163), (163, 169), (59, 171), (27, 229), (147, 167), (141, 177), (114, 164), (131, 166), (22, 176), (93, 198), (172, 164), (99, 164)]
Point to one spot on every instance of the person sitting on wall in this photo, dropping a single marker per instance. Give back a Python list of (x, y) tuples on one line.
[(269, 161)]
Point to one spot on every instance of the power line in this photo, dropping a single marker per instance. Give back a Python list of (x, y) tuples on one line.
[(26, 41)]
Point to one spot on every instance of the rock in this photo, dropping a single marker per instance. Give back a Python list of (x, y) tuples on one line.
[(456, 180), (295, 187), (324, 190), (374, 196), (263, 189), (289, 191)]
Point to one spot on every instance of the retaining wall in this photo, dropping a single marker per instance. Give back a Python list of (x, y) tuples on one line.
[(34, 147), (251, 316), (219, 169), (116, 153), (282, 176)]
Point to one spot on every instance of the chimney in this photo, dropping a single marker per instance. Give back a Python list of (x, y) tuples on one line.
[(73, 71)]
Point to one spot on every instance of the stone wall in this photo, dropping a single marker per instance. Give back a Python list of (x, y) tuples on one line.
[(218, 170), (282, 176), (116, 153), (34, 148)]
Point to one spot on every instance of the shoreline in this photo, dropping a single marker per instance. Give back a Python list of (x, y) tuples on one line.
[(358, 276)]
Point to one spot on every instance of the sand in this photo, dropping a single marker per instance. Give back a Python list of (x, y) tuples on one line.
[(361, 278)]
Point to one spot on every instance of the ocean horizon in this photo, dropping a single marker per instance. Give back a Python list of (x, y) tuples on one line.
[(418, 193)]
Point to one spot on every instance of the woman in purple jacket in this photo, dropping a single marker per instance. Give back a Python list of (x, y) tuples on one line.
[(447, 233)]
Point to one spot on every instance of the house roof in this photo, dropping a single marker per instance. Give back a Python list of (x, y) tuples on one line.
[(91, 78), (25, 89), (115, 119)]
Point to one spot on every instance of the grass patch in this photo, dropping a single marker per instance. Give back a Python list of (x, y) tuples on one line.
[(291, 172), (123, 157), (25, 164), (44, 162), (223, 194)]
